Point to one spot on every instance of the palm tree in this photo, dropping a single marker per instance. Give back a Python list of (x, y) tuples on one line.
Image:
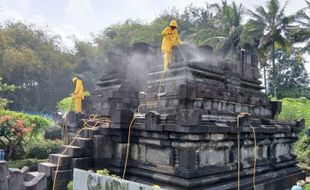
[(219, 25), (203, 20), (228, 25), (302, 34), (267, 31)]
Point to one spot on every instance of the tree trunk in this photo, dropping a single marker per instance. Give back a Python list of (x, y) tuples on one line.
[(265, 79), (274, 81)]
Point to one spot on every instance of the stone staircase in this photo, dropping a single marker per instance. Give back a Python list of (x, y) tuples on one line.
[(78, 155)]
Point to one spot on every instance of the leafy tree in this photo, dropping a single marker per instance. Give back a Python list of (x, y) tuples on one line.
[(293, 79), (302, 33), (18, 129), (84, 63), (33, 61), (267, 31), (228, 25), (293, 109), (203, 26)]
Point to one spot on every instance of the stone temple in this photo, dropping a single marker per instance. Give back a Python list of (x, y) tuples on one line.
[(188, 138)]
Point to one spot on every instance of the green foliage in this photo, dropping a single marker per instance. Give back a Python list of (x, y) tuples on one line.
[(306, 187), (5, 88), (41, 150), (302, 149), (292, 79), (70, 185), (67, 104), (106, 172), (38, 123), (221, 27), (12, 132), (266, 32), (43, 69), (295, 109), (18, 129), (298, 109)]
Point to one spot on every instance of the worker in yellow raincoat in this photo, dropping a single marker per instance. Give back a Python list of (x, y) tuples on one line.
[(78, 94), (170, 39)]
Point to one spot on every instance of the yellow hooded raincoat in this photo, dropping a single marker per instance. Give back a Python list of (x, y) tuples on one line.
[(78, 95), (170, 39)]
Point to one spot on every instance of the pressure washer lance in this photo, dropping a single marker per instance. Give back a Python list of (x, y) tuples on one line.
[(182, 53), (161, 94)]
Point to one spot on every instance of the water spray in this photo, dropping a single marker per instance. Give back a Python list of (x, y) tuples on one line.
[(181, 53)]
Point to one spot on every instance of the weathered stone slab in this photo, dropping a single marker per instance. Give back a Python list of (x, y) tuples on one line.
[(189, 117), (121, 116), (47, 168), (38, 181), (81, 163), (65, 160), (162, 156), (62, 179), (102, 151), (83, 142), (73, 151)]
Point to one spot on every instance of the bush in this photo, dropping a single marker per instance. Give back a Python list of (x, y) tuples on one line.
[(70, 185), (302, 149), (293, 109), (17, 128), (41, 150), (53, 133), (307, 187), (38, 123), (106, 172)]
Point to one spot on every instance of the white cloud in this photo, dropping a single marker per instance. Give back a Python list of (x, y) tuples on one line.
[(23, 5), (9, 14), (67, 32), (80, 10)]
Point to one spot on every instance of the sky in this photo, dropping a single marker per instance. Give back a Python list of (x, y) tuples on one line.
[(81, 18)]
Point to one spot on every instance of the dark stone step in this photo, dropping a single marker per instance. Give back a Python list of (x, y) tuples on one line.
[(65, 160), (74, 151), (81, 163), (47, 168), (83, 142), (89, 132), (62, 179)]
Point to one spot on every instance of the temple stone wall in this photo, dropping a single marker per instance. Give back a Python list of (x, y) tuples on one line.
[(186, 139)]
